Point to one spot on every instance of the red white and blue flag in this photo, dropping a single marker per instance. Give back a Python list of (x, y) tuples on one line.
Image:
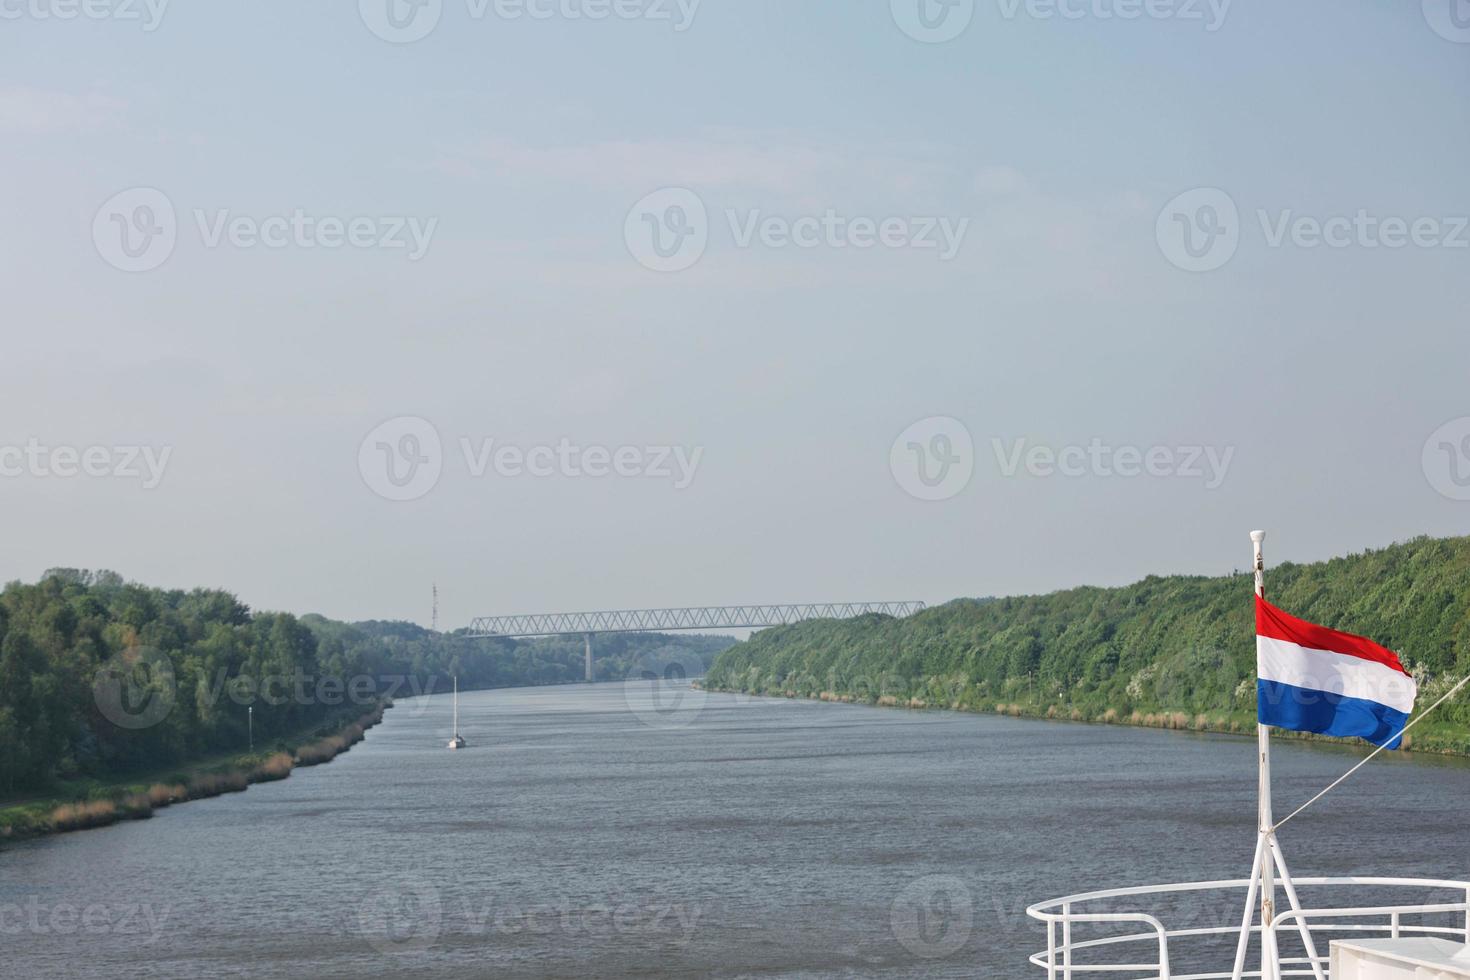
[(1314, 679)]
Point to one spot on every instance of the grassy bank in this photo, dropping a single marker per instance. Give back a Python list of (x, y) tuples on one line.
[(84, 804), (1428, 738)]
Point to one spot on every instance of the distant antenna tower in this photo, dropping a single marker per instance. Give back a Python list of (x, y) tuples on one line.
[(434, 625)]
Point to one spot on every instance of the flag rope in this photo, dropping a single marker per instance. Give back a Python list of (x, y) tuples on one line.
[(1387, 742)]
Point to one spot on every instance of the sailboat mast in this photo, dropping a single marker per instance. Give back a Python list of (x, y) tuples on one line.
[(456, 704)]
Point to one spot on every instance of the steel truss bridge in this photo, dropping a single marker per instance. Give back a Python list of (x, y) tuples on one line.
[(590, 624)]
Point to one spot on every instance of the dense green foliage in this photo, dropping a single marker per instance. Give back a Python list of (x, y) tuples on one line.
[(207, 658), (1157, 651)]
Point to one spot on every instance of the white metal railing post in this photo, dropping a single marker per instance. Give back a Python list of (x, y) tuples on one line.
[(1270, 952), (1291, 897), (1067, 941), (1393, 926), (1051, 949), (1467, 916), (1243, 945)]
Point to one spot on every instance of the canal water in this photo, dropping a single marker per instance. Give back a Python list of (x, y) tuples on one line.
[(611, 831)]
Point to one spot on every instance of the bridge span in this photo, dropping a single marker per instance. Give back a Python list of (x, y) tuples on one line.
[(669, 620)]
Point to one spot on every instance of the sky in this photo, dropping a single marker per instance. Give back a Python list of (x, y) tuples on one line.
[(590, 304)]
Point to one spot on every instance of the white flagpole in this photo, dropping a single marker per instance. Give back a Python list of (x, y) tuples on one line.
[(1268, 851), (1264, 821)]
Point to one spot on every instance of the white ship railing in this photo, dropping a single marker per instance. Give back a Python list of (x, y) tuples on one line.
[(1064, 958)]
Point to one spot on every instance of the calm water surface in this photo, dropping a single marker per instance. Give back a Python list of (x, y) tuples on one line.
[(588, 831)]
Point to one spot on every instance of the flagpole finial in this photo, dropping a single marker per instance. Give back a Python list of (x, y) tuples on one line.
[(1258, 536)]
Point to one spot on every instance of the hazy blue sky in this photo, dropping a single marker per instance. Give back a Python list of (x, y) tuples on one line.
[(1049, 142)]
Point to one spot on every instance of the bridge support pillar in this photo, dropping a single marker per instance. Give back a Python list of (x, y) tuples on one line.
[(588, 638)]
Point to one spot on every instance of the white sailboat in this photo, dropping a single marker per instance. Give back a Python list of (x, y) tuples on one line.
[(456, 742)]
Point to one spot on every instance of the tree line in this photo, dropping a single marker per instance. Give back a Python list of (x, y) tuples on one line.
[(100, 676), (1166, 646)]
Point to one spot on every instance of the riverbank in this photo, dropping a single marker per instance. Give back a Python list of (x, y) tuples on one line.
[(1428, 738), (93, 803)]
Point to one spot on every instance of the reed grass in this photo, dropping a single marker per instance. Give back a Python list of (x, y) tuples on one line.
[(80, 816), (98, 806)]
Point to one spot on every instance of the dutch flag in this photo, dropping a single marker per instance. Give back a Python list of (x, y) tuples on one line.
[(1313, 679)]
